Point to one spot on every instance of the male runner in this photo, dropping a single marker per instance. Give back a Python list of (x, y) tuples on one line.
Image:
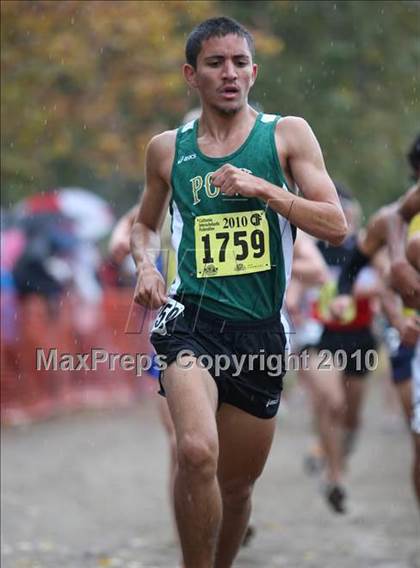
[(388, 227), (408, 212), (396, 226), (337, 390), (227, 177), (119, 248)]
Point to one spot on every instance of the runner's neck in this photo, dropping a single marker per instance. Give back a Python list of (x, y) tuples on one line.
[(218, 135), (219, 127)]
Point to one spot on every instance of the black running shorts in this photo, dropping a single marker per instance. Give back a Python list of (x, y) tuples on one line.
[(253, 351), (356, 345)]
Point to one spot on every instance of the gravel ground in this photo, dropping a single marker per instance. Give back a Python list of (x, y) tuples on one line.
[(89, 491)]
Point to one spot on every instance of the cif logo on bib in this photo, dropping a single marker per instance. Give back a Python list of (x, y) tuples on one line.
[(211, 191)]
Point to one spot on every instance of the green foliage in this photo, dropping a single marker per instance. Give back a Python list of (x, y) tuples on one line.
[(352, 70), (86, 84)]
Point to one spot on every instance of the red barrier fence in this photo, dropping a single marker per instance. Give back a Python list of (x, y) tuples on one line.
[(69, 340)]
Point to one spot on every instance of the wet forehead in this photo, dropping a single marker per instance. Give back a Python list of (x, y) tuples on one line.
[(228, 46)]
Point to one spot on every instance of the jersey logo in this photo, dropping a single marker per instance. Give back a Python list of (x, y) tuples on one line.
[(198, 182), (186, 158)]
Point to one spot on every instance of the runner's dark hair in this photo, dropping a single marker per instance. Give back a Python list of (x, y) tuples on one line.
[(214, 27)]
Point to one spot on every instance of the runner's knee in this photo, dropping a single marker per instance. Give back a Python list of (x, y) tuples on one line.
[(197, 455), (331, 404), (237, 494), (336, 407)]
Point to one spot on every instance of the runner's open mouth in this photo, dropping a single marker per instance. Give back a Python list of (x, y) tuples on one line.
[(229, 90)]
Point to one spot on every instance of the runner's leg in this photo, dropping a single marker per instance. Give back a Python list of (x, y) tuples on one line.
[(354, 389), (329, 403), (192, 400), (244, 444), (405, 396), (167, 423)]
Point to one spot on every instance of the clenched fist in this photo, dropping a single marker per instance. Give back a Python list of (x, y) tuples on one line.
[(150, 288), (236, 181)]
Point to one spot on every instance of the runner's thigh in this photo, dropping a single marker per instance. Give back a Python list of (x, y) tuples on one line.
[(244, 444)]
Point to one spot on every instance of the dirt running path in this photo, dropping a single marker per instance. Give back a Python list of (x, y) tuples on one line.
[(89, 491)]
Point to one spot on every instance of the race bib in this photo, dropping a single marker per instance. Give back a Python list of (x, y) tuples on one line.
[(230, 244), (168, 312)]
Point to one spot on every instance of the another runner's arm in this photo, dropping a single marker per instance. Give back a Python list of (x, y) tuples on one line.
[(388, 226), (408, 326), (409, 204), (119, 242), (413, 251), (404, 277), (374, 236), (309, 266), (145, 235), (369, 241), (398, 216), (390, 303)]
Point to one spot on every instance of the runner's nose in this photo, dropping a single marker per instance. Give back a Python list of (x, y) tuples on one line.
[(229, 70)]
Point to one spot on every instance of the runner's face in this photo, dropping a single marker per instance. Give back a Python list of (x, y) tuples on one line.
[(225, 73)]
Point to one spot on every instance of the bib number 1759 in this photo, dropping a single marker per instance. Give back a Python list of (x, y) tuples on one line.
[(232, 244)]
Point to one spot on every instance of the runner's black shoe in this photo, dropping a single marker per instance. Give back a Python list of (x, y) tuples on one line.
[(336, 498)]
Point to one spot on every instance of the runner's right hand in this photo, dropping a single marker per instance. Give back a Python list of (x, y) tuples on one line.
[(150, 288)]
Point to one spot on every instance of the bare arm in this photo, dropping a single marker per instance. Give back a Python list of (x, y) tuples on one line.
[(409, 204), (374, 236), (404, 276), (309, 266), (294, 295), (388, 226), (413, 251), (145, 235), (370, 241), (398, 216), (391, 303), (319, 213), (408, 326), (119, 242)]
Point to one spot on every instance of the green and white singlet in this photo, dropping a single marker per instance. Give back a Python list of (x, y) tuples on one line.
[(233, 253)]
